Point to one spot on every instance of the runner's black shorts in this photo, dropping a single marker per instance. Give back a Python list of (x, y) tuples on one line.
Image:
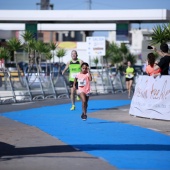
[(128, 79), (71, 84)]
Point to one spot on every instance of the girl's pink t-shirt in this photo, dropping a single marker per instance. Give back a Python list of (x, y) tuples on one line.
[(83, 83)]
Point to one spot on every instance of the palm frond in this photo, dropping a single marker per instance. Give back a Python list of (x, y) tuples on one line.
[(53, 46), (40, 47), (31, 44), (96, 61), (4, 53), (159, 35), (132, 58), (14, 44), (61, 52), (28, 36), (124, 49), (48, 56)]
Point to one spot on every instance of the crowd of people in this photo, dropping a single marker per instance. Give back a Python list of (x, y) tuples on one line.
[(80, 76)]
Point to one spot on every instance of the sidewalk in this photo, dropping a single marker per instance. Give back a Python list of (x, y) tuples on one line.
[(27, 147)]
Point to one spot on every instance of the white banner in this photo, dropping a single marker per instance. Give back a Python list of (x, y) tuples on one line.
[(151, 98)]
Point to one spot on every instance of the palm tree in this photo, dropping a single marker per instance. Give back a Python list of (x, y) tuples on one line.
[(161, 34), (53, 47), (132, 58), (167, 27), (28, 38), (124, 50), (60, 53), (4, 54), (49, 56), (30, 48), (14, 45), (107, 56), (96, 61), (40, 48), (115, 54)]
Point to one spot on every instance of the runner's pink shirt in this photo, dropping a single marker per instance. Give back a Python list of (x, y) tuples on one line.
[(83, 83)]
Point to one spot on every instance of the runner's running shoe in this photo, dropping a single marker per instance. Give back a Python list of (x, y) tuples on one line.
[(78, 98), (73, 107)]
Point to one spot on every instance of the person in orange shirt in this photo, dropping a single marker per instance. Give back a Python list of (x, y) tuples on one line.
[(83, 78), (150, 67)]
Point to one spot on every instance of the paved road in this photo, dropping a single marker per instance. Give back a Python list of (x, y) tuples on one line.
[(27, 147)]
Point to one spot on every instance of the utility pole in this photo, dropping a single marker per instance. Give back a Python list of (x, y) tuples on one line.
[(45, 5), (89, 2)]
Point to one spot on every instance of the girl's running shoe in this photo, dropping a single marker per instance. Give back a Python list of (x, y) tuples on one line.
[(83, 116)]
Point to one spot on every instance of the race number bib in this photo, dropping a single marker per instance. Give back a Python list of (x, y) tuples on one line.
[(73, 75), (81, 82), (130, 76)]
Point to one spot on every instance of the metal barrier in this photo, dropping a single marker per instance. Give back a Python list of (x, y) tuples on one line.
[(17, 87), (105, 82), (6, 92), (61, 85)]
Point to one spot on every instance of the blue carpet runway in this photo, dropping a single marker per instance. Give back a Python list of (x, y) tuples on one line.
[(123, 146)]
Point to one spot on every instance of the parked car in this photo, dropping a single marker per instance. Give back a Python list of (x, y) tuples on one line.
[(138, 69), (46, 68), (14, 72), (113, 70)]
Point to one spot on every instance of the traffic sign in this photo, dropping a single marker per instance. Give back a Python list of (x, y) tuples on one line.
[(96, 46)]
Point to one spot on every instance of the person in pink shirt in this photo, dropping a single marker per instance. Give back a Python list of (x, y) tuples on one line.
[(150, 67), (83, 78)]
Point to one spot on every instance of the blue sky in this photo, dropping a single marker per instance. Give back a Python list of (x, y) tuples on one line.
[(82, 4)]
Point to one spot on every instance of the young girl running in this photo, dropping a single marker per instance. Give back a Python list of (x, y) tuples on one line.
[(83, 78)]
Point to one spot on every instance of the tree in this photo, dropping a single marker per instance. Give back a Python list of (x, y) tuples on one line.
[(132, 58), (124, 51), (41, 48), (28, 36), (96, 61), (49, 56), (115, 54), (28, 47), (4, 54), (53, 47), (161, 34), (60, 53), (14, 45), (107, 56)]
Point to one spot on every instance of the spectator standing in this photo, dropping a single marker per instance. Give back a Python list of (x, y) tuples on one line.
[(164, 62), (151, 64)]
